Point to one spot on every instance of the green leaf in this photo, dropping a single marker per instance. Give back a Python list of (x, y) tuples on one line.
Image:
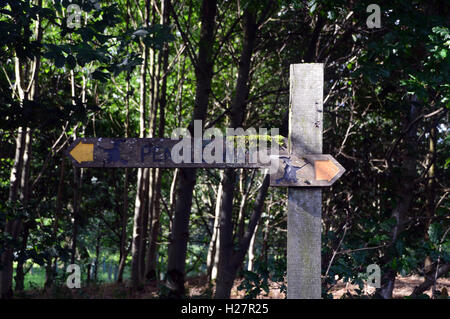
[(447, 163)]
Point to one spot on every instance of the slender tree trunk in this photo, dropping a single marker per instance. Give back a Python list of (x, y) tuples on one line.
[(152, 116), (141, 196), (180, 231), (155, 222), (251, 247), (123, 230), (212, 261), (225, 277), (428, 283), (13, 226), (123, 253), (242, 215), (146, 217), (431, 193), (137, 227), (20, 171), (20, 274), (223, 289), (24, 197), (173, 186), (77, 178), (245, 190), (226, 273), (150, 265), (405, 195), (97, 255), (265, 247), (215, 265), (187, 177), (88, 273), (50, 270), (76, 212)]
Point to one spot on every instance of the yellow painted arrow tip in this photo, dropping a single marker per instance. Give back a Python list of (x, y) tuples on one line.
[(83, 152)]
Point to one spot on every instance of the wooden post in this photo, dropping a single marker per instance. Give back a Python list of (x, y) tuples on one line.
[(305, 204), (304, 169)]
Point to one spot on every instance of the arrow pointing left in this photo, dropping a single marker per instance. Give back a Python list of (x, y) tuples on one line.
[(83, 152)]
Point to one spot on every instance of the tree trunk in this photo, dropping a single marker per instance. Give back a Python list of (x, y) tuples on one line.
[(212, 261), (12, 226), (187, 177), (146, 217), (77, 178), (88, 273), (431, 193), (19, 176), (123, 230), (24, 197), (141, 196), (428, 283), (431, 183), (226, 273), (137, 227), (405, 194), (242, 215), (76, 212), (50, 271), (150, 265), (20, 274), (153, 99), (215, 265), (224, 289), (225, 277), (265, 246), (155, 222), (251, 248), (123, 252), (97, 255)]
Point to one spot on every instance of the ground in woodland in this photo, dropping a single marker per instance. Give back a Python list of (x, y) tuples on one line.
[(197, 287)]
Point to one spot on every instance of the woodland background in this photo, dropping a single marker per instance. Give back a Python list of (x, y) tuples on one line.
[(140, 68)]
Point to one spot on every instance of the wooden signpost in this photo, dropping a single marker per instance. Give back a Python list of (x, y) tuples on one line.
[(303, 169)]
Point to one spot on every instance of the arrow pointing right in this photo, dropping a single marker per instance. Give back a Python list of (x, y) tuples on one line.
[(325, 170), (311, 170)]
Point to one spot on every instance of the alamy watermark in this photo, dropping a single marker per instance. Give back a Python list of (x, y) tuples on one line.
[(74, 279), (237, 146), (373, 272), (74, 13), (374, 19)]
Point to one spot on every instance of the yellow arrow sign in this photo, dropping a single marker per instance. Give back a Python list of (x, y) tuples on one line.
[(325, 170), (83, 152)]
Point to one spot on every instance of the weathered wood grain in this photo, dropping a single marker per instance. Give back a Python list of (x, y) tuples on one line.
[(293, 171), (305, 204)]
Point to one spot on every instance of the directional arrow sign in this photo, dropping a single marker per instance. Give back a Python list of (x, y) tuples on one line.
[(307, 170), (83, 152), (291, 170)]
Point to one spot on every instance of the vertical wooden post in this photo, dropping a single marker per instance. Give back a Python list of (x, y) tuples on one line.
[(305, 204)]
